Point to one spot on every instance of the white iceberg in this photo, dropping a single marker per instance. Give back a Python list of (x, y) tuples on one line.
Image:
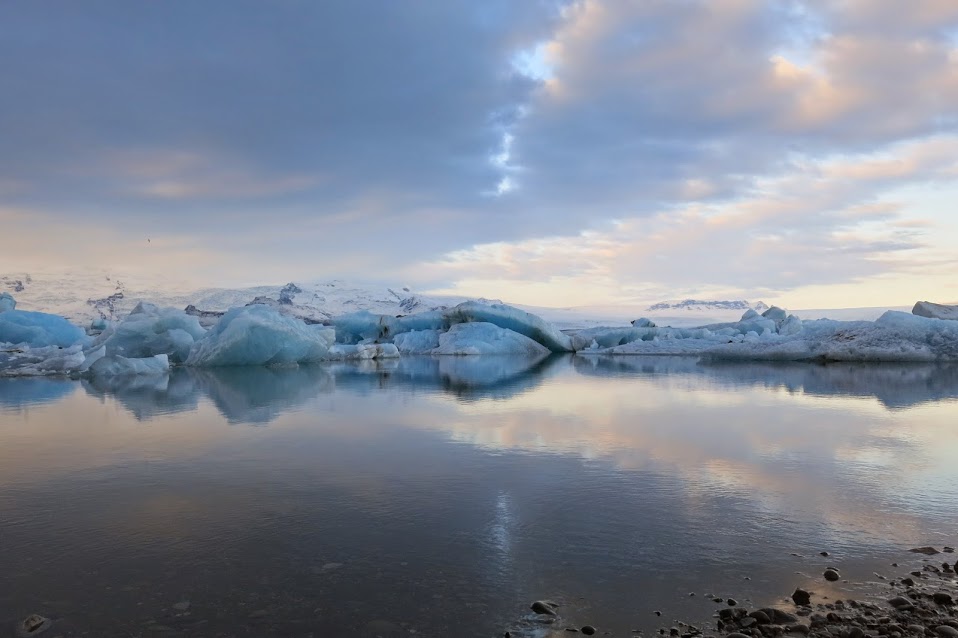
[(258, 335), (149, 331), (510, 318), (935, 311), (117, 366), (486, 338)]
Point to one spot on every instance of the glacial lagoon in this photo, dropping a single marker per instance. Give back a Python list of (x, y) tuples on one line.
[(440, 496)]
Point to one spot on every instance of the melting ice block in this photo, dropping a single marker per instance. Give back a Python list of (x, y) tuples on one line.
[(486, 338), (258, 335)]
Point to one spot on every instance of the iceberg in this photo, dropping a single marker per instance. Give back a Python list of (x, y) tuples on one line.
[(486, 338), (149, 331), (510, 318), (258, 335), (36, 329), (935, 311)]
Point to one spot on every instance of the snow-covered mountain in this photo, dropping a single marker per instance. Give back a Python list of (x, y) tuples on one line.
[(698, 305), (82, 297)]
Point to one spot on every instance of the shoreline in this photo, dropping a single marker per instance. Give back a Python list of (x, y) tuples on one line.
[(921, 603)]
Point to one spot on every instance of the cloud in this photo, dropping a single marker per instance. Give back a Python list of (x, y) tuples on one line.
[(364, 138), (822, 222)]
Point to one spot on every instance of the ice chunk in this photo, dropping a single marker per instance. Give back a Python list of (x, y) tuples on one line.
[(791, 326), (7, 302), (513, 319), (116, 366), (149, 331), (749, 315), (362, 351), (935, 311), (417, 341), (258, 335), (38, 329), (776, 314), (643, 323), (26, 361), (609, 337), (486, 338)]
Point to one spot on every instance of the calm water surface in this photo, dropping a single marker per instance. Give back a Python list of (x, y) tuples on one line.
[(439, 497)]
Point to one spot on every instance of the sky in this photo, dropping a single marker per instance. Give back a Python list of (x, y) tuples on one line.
[(547, 152)]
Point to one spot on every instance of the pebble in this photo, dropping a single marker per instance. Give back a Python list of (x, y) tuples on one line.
[(908, 582), (831, 575), (183, 605), (928, 551), (736, 634), (946, 632), (731, 602), (541, 607), (588, 630), (899, 602), (801, 597), (855, 632), (942, 598), (760, 617), (33, 625)]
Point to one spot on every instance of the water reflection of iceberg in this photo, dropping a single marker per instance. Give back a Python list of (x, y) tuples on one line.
[(146, 396), (20, 392), (895, 385), (467, 378), (257, 395)]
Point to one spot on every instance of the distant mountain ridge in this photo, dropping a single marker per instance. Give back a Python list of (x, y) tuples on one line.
[(704, 305), (82, 297)]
